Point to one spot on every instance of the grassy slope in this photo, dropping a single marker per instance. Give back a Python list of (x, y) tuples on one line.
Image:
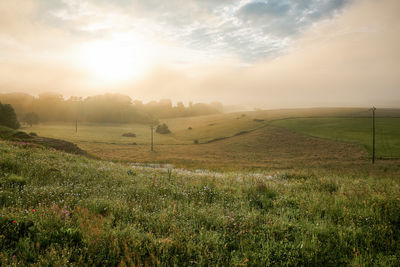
[(269, 147), (355, 130), (57, 208)]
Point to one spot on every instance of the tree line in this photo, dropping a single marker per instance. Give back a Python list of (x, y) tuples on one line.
[(106, 108)]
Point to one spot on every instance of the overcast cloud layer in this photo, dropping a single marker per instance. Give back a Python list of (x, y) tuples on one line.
[(269, 53)]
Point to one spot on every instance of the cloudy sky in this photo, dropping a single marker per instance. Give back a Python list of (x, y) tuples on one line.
[(264, 53)]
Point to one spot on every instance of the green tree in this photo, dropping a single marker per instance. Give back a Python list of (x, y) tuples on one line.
[(31, 118), (8, 117), (163, 129)]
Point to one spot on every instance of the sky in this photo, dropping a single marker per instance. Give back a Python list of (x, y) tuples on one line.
[(255, 53)]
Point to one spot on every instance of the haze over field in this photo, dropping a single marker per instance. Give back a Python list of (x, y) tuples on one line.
[(259, 53)]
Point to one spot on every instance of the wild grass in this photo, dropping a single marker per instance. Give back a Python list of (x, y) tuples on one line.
[(61, 209)]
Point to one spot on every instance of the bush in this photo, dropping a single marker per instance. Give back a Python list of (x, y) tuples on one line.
[(129, 135), (190, 128), (196, 141), (163, 129), (8, 117), (31, 118), (21, 135)]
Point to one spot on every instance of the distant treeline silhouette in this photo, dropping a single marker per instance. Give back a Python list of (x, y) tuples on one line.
[(106, 108)]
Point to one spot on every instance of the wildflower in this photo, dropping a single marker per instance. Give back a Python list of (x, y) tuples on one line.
[(14, 221), (33, 210), (14, 257)]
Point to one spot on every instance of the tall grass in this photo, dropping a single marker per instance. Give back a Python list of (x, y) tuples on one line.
[(61, 209)]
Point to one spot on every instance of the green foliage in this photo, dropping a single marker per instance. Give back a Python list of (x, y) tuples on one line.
[(129, 135), (8, 117), (162, 129), (31, 118), (12, 181)]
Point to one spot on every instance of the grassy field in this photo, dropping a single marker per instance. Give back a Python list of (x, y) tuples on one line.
[(355, 130), (58, 209), (261, 195)]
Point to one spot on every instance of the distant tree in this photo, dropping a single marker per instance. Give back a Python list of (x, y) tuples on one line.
[(163, 129), (31, 118), (8, 117)]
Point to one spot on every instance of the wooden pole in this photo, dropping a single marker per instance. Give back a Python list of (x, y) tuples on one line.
[(76, 125), (373, 135), (152, 146)]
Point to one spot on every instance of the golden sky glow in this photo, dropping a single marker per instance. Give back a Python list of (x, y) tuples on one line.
[(252, 52), (115, 60)]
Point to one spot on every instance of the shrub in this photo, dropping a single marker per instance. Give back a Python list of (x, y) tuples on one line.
[(190, 128), (196, 141), (129, 135), (31, 118), (163, 129), (21, 135), (8, 117)]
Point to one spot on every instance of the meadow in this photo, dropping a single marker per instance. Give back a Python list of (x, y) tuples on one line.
[(260, 189), (60, 209)]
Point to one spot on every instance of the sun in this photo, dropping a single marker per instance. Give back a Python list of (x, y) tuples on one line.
[(115, 60)]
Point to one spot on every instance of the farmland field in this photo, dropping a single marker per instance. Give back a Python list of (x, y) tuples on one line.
[(247, 140), (355, 130)]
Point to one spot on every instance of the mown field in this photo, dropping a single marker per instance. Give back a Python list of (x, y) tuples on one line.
[(59, 209), (245, 140), (355, 130)]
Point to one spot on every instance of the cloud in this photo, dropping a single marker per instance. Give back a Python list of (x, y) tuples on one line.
[(286, 54), (261, 9), (284, 17), (249, 30), (351, 61)]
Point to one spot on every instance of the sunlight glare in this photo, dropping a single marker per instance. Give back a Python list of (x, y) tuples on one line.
[(115, 60)]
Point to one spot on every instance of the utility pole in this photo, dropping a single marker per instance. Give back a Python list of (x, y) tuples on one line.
[(152, 127), (373, 135), (76, 125)]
